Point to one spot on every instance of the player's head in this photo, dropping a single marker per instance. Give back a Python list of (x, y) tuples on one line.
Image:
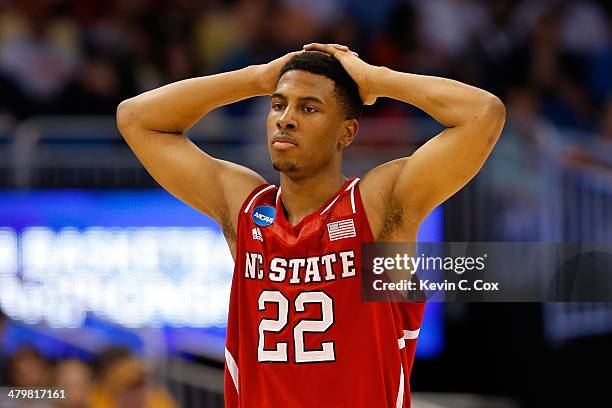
[(316, 106), (346, 91)]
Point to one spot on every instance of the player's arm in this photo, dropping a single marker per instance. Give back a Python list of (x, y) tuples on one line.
[(473, 119), (154, 125), (415, 185)]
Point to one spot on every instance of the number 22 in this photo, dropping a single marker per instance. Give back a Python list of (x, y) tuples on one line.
[(279, 353)]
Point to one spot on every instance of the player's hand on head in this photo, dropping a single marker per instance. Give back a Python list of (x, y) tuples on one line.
[(361, 72), (268, 73)]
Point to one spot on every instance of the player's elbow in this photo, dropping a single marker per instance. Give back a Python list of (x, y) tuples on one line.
[(489, 117), (493, 110), (126, 116), (493, 117)]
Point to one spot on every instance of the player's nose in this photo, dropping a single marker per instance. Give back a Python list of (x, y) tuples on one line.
[(287, 120)]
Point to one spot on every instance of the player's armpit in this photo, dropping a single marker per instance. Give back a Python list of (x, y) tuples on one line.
[(447, 162)]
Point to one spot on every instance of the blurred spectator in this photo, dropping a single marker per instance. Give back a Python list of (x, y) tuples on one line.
[(123, 383), (398, 44), (554, 74), (59, 56), (496, 35), (217, 33), (29, 368), (448, 26), (299, 23), (38, 53), (582, 23), (519, 174), (584, 28), (178, 63), (324, 11), (492, 49), (592, 152), (74, 377), (95, 91)]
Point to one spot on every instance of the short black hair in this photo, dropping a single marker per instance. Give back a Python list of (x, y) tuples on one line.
[(345, 88)]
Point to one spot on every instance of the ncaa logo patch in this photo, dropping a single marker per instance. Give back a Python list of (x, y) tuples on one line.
[(263, 215)]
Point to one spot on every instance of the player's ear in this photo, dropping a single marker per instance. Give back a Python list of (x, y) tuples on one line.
[(349, 131)]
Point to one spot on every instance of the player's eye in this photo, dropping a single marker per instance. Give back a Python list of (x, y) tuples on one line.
[(310, 109), (277, 106)]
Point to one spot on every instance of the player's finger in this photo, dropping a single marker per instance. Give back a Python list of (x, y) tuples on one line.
[(335, 50), (316, 46), (340, 47), (322, 48), (326, 46)]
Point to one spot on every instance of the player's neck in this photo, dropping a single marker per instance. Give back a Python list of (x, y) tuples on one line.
[(301, 197)]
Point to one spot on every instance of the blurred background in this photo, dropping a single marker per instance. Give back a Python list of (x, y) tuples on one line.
[(118, 293)]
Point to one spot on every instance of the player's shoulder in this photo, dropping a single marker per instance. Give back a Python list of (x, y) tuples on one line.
[(376, 189), (237, 183), (262, 194)]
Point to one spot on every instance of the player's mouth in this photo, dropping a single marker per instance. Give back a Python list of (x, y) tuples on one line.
[(283, 142)]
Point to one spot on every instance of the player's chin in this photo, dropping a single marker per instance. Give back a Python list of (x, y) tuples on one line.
[(284, 166)]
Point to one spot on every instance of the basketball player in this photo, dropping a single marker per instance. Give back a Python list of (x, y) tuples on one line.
[(298, 333)]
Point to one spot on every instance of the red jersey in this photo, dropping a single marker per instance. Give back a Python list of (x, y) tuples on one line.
[(299, 334)]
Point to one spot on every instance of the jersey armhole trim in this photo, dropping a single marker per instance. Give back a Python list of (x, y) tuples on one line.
[(232, 367), (358, 202), (352, 188), (256, 194), (399, 401)]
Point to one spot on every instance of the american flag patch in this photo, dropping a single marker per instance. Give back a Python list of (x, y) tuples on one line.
[(341, 229)]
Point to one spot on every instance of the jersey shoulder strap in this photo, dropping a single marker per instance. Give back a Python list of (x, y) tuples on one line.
[(255, 196)]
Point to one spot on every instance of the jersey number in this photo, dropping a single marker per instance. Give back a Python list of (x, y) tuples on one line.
[(279, 353)]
